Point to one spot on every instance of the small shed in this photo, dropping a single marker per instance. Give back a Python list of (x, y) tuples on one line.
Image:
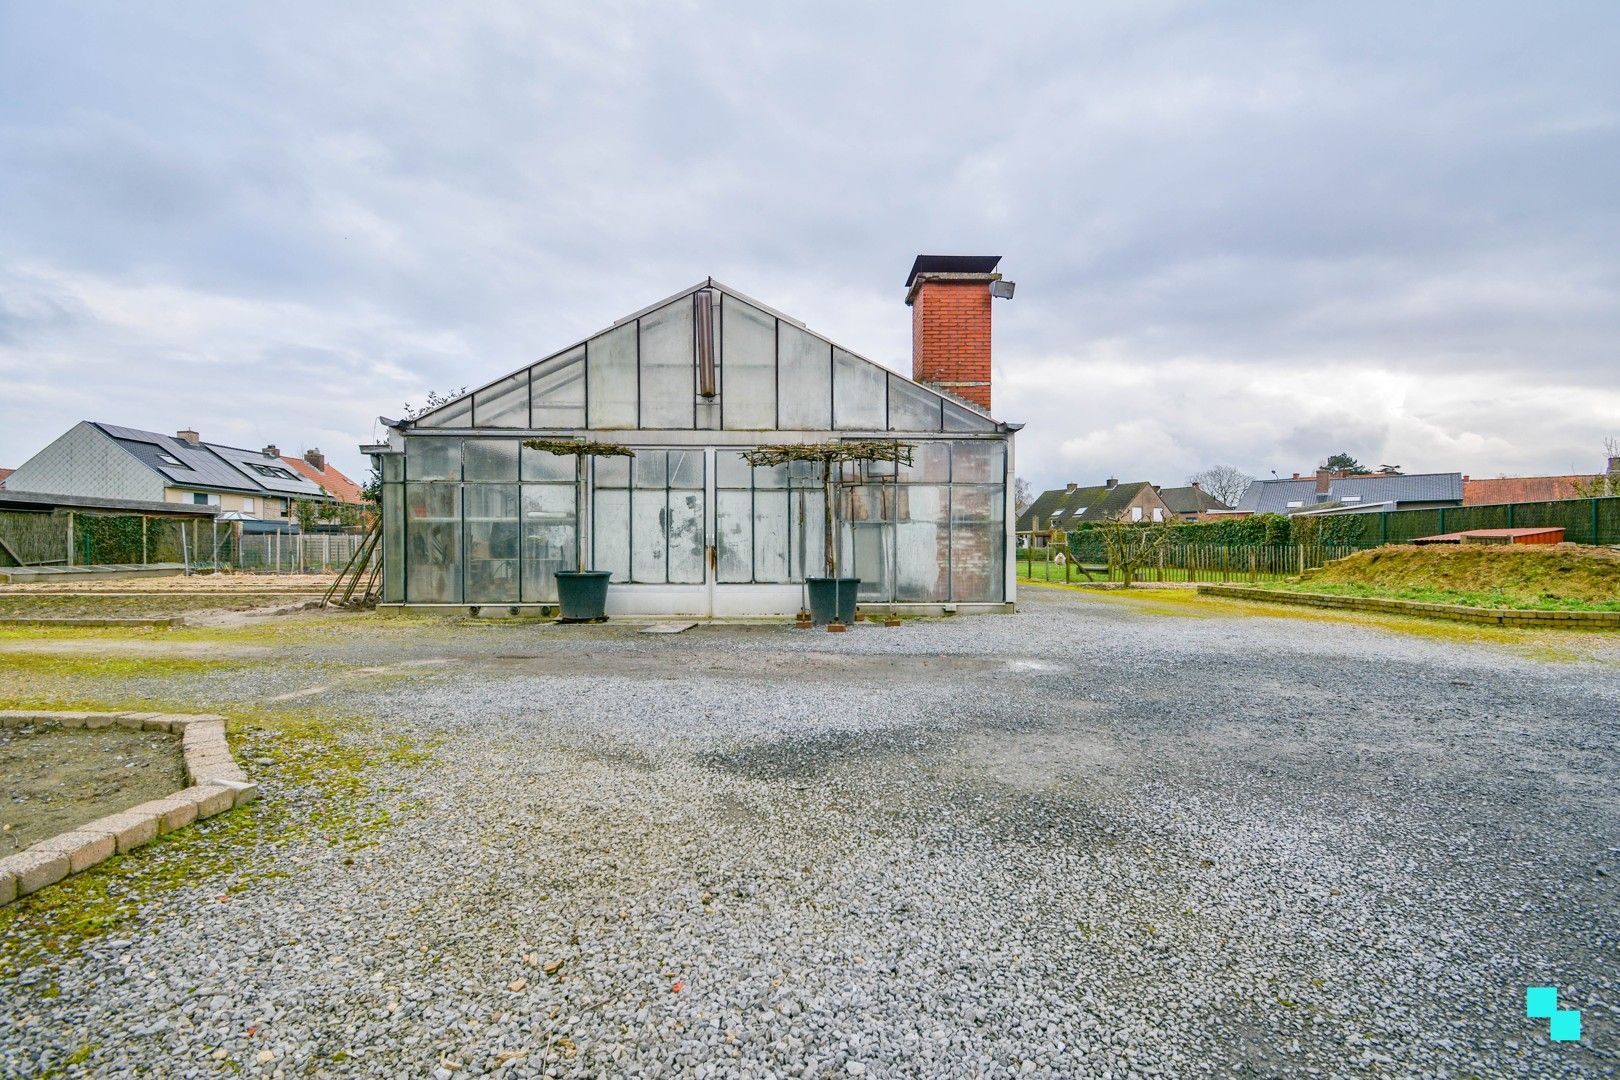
[(1551, 534)]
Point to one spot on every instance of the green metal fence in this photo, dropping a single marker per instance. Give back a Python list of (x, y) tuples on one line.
[(1584, 521)]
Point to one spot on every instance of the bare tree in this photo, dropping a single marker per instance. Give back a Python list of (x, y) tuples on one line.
[(434, 400), (1021, 496), (1607, 482), (1133, 545), (1226, 482)]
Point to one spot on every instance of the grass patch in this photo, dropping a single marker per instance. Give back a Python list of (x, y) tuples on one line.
[(1562, 577), (318, 788), (46, 665)]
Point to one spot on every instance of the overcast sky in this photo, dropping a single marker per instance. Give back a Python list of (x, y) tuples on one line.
[(1252, 234)]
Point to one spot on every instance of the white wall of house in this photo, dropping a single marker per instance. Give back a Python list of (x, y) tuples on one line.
[(83, 461)]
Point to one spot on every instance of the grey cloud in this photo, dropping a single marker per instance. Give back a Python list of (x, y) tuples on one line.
[(373, 201)]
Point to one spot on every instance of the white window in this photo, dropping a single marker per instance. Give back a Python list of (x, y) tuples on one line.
[(1136, 513), (1158, 513), (247, 505), (1295, 505)]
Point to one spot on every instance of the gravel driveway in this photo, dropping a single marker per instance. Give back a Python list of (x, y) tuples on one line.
[(1102, 837)]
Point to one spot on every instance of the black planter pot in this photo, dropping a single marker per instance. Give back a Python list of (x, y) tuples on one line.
[(832, 598), (582, 594)]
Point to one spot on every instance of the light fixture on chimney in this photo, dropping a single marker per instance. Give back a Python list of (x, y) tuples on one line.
[(1002, 290)]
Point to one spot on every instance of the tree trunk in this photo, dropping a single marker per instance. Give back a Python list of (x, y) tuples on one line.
[(830, 551)]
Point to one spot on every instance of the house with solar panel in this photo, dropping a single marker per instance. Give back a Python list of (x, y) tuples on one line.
[(106, 461), (689, 525)]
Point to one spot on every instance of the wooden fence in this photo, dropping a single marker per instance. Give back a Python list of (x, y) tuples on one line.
[(1180, 562)]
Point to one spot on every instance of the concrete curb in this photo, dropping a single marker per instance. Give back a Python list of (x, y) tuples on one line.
[(217, 785), (1524, 618)]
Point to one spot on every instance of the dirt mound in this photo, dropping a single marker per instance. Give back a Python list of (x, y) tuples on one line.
[(1519, 571)]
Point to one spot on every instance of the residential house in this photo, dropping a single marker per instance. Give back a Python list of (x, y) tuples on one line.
[(1190, 502), (3, 474), (1340, 492), (110, 462), (315, 468), (687, 526), (1520, 489), (1072, 505)]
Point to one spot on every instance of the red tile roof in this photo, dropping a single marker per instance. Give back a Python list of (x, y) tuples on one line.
[(337, 485), (1511, 489), (3, 474)]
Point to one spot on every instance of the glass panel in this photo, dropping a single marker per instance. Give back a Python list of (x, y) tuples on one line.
[(930, 464), (506, 404), (612, 471), (922, 538), (864, 536), (548, 539), (858, 393), (686, 469), (490, 459), (770, 476), (731, 471), (433, 459), (649, 467), (393, 500), (667, 381), (807, 539), (611, 533), (804, 379), (686, 547), (734, 535), (770, 536), (393, 468), (612, 365), (456, 414), (648, 514), (492, 542), (959, 419), (980, 461), (544, 465), (978, 544), (748, 349), (911, 408), (433, 543), (558, 390)]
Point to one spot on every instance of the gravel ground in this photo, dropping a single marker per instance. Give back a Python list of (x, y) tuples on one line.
[(1102, 837)]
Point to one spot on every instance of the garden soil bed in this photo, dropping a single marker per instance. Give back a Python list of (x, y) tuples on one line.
[(54, 780)]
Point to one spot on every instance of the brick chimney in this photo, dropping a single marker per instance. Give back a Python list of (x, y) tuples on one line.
[(1111, 483), (271, 451), (316, 458), (186, 435), (1070, 489), (950, 322)]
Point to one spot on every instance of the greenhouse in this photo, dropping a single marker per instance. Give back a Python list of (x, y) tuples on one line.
[(472, 517)]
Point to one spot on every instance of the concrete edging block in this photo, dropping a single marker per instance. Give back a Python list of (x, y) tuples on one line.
[(33, 869), (218, 784)]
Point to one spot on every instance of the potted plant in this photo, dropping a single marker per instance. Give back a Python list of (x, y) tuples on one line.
[(581, 594), (832, 597)]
